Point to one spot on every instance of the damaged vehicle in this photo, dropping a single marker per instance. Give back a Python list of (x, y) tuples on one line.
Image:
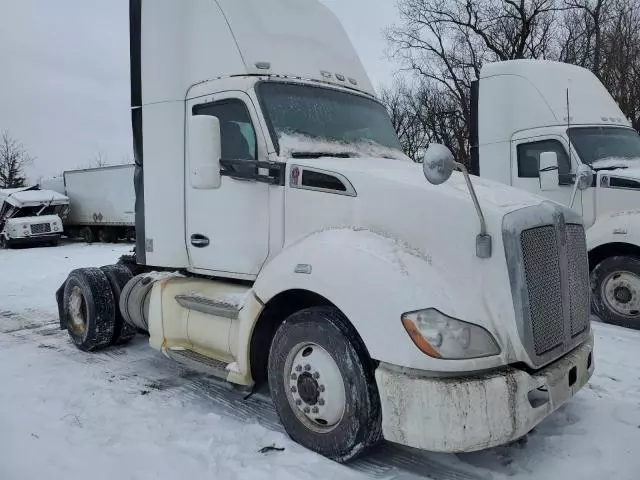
[(31, 216)]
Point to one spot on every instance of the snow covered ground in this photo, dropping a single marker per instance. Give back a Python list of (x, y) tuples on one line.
[(129, 413)]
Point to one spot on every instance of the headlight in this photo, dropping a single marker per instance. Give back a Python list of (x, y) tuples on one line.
[(440, 336)]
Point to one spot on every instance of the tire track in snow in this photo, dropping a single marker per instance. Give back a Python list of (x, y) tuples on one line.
[(158, 375)]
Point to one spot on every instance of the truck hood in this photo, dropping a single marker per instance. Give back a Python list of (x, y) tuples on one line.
[(398, 176)]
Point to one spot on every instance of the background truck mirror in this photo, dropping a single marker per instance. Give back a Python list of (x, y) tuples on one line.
[(205, 150), (549, 178)]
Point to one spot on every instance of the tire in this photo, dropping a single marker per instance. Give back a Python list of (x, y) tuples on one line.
[(4, 243), (89, 309), (86, 233), (119, 276), (615, 286), (107, 235), (348, 421)]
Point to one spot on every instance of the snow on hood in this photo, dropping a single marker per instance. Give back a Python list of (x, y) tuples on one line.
[(292, 143), (29, 196)]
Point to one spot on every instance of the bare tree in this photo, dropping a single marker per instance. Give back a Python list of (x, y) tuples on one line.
[(13, 160), (100, 159)]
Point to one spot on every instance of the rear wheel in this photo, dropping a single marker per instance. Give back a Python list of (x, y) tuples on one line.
[(86, 233), (89, 309), (615, 285), (107, 235), (322, 383), (119, 276)]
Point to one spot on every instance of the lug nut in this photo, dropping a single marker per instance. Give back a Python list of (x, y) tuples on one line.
[(298, 402), (307, 367), (294, 376), (316, 375), (294, 389), (298, 368), (307, 410), (321, 388), (321, 402), (315, 410)]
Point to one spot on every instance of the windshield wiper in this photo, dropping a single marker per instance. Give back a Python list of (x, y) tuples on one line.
[(610, 167), (320, 154)]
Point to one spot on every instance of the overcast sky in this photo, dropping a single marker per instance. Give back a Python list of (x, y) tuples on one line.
[(64, 82)]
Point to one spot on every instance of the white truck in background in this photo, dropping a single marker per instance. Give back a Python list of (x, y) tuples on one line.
[(102, 202), (31, 216), (284, 240), (534, 125)]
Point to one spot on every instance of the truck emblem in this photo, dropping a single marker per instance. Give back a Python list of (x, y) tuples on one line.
[(295, 176)]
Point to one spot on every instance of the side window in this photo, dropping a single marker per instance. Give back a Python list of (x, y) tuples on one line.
[(238, 135), (529, 159)]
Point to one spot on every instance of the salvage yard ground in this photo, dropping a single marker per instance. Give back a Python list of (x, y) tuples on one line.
[(129, 413)]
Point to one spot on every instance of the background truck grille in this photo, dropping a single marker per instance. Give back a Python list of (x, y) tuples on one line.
[(40, 228), (557, 282), (544, 284)]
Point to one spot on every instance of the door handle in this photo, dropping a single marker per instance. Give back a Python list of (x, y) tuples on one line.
[(199, 241)]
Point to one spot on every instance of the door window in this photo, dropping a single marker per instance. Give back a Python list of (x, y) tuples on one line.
[(529, 160), (236, 129)]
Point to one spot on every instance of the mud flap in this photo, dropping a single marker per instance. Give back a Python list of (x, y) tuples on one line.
[(60, 302)]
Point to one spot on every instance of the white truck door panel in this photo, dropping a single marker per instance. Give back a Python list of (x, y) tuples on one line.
[(525, 173), (227, 229)]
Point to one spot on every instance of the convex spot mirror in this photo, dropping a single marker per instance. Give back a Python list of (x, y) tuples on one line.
[(205, 150), (584, 177), (438, 164)]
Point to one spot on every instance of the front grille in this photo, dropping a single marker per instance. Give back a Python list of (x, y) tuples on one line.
[(578, 279), (40, 228), (557, 284), (544, 284)]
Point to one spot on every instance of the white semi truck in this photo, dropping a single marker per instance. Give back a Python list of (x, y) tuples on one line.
[(31, 216), (535, 124), (102, 202), (284, 239)]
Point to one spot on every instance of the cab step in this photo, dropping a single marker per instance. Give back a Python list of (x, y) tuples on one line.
[(198, 362)]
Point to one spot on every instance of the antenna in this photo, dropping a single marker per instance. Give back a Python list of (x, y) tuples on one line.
[(569, 137)]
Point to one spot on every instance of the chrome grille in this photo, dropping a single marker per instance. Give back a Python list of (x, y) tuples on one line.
[(40, 228), (541, 257), (578, 279)]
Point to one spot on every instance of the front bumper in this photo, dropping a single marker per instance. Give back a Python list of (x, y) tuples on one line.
[(35, 239), (476, 412)]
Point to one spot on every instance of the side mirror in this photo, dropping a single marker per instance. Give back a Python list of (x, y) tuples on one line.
[(549, 177), (438, 164), (205, 150), (584, 177)]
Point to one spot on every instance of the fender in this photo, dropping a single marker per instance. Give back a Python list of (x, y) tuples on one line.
[(373, 279), (615, 227)]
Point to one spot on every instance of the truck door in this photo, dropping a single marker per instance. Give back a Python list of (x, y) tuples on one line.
[(227, 229), (526, 166)]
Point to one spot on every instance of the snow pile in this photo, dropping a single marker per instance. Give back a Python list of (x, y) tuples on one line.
[(292, 143)]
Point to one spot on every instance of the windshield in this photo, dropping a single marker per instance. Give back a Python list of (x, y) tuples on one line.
[(312, 119), (599, 146)]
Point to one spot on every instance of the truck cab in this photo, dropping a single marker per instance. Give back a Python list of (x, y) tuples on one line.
[(285, 241), (31, 216), (527, 111)]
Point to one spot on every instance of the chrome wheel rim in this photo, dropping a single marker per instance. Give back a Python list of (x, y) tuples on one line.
[(621, 293), (315, 387)]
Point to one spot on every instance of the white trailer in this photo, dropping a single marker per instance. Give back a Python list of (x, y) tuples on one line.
[(536, 125), (102, 202), (284, 239), (32, 216)]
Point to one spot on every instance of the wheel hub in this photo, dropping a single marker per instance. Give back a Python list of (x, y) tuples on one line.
[(308, 389), (621, 293), (316, 388)]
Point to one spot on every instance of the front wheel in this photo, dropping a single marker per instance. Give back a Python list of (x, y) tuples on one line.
[(615, 285), (322, 383), (4, 243)]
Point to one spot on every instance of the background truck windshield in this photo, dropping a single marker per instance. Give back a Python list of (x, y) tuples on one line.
[(600, 143), (325, 114)]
